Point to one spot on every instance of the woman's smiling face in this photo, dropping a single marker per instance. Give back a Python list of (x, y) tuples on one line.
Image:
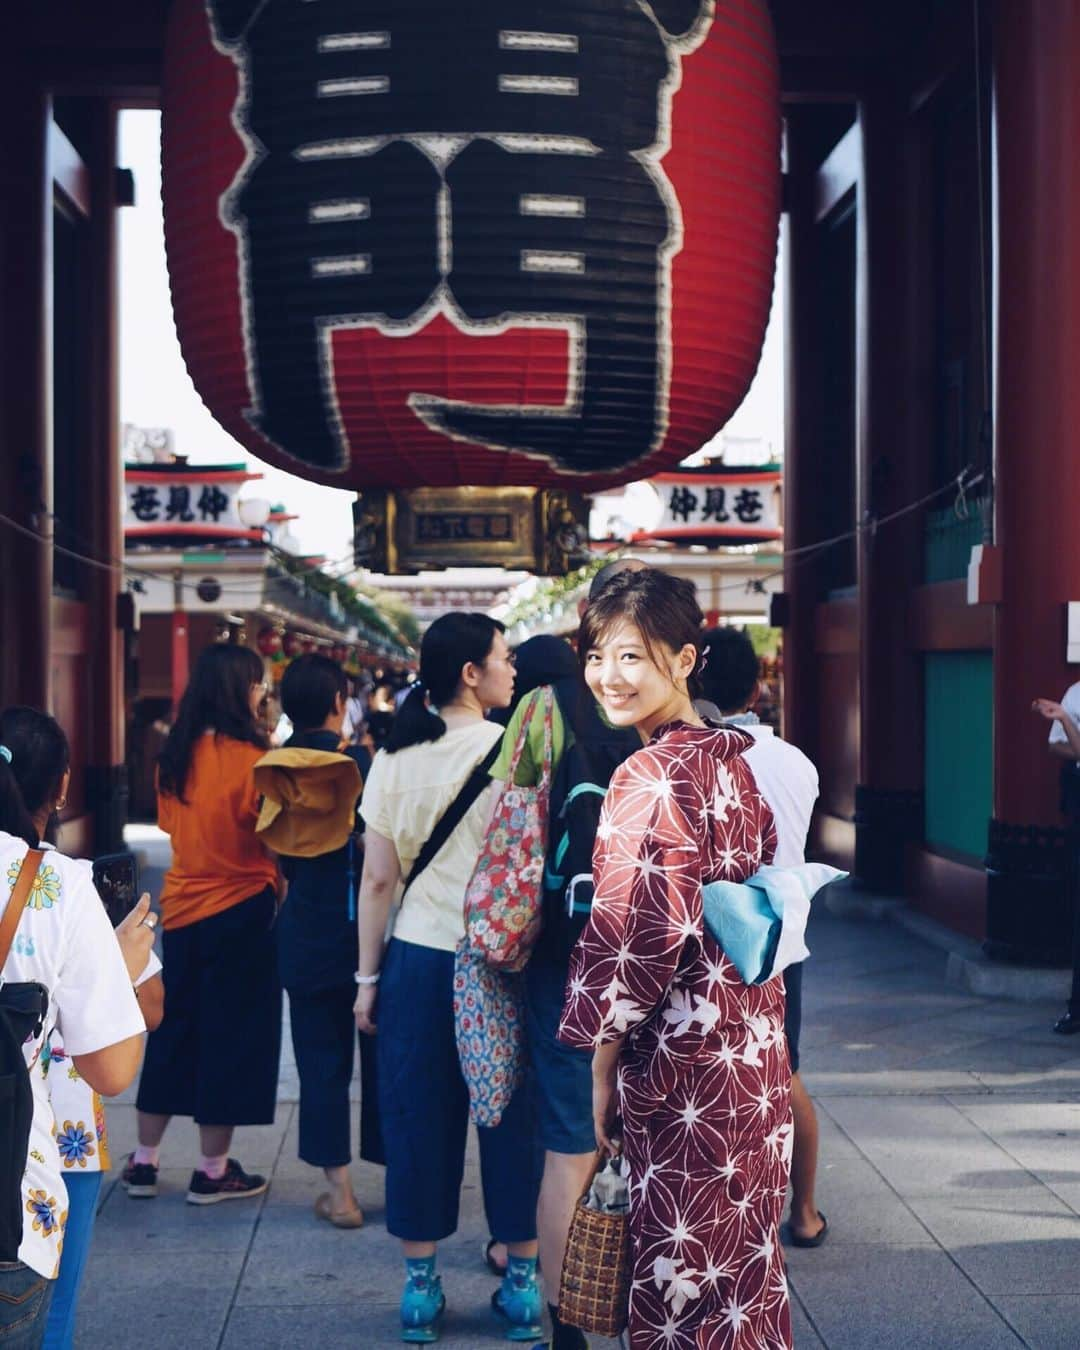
[(637, 688)]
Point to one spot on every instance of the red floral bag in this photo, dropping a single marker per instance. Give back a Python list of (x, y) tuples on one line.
[(502, 902)]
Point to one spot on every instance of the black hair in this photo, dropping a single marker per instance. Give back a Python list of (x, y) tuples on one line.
[(448, 646), (40, 757), (217, 699), (610, 571), (663, 608), (309, 689), (731, 670)]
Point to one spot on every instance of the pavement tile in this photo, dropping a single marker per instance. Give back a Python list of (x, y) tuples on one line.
[(1022, 1241), (884, 1084), (999, 1055), (1048, 1145), (922, 1147), (802, 1330), (863, 1209), (834, 1146), (857, 1052), (130, 1299), (892, 1298), (1046, 1322), (169, 1226)]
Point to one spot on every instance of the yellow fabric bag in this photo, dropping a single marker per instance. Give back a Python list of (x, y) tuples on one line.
[(309, 801)]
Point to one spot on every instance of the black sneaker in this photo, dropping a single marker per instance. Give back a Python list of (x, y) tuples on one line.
[(139, 1179), (234, 1184)]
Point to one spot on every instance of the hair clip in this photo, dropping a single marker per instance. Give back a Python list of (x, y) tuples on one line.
[(6, 753)]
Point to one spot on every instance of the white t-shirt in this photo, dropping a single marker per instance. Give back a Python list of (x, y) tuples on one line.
[(789, 783), (405, 795), (65, 942), (1071, 704)]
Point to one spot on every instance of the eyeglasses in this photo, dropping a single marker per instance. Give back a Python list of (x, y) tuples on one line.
[(510, 659)]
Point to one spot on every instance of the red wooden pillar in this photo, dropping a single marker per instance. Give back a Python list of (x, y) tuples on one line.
[(106, 772), (887, 795), (25, 468), (802, 479), (1037, 108)]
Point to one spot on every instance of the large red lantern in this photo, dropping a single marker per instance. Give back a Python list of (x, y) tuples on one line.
[(501, 243)]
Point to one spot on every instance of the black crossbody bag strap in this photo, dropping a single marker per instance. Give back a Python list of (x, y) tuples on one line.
[(452, 817)]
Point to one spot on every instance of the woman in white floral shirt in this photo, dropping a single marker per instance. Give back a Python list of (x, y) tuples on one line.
[(82, 1138), (65, 943)]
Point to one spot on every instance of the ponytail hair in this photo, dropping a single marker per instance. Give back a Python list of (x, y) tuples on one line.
[(39, 758), (451, 643)]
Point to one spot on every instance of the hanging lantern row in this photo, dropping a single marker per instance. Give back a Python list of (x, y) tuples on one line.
[(533, 245)]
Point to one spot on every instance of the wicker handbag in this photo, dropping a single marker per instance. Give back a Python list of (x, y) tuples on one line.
[(594, 1293)]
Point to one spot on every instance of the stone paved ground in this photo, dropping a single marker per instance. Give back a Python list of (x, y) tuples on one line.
[(950, 1172)]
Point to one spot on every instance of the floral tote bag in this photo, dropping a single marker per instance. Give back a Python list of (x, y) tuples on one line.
[(503, 899)]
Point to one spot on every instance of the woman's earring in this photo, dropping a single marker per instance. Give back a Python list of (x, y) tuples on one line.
[(60, 804)]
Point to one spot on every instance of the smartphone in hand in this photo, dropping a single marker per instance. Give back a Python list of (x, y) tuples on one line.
[(116, 878)]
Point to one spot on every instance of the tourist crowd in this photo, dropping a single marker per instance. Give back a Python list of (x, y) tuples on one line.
[(505, 880)]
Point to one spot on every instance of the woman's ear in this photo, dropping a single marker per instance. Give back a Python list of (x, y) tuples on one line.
[(685, 662), (470, 675)]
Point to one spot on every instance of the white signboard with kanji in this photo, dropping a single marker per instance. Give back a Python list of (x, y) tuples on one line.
[(199, 505), (723, 507)]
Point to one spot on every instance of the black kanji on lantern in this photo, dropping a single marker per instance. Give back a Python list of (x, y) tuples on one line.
[(178, 507), (145, 504), (212, 503), (749, 506), (683, 502), (715, 509), (497, 163)]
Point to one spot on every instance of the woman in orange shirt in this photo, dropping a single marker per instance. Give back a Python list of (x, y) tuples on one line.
[(215, 1055)]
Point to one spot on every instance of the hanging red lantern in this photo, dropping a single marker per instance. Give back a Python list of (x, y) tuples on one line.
[(290, 644), (308, 645), (471, 250), (269, 641)]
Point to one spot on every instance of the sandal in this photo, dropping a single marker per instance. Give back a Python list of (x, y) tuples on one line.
[(798, 1240), (350, 1218)]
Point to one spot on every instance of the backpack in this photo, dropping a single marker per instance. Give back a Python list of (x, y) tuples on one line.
[(578, 788)]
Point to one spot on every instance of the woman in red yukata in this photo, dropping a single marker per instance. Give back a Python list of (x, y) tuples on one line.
[(692, 1061)]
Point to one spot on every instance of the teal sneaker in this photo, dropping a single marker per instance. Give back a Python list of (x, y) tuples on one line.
[(422, 1304), (517, 1301)]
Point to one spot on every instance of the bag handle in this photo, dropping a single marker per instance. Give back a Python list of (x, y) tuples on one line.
[(600, 1160), (545, 695), (17, 902), (454, 814)]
